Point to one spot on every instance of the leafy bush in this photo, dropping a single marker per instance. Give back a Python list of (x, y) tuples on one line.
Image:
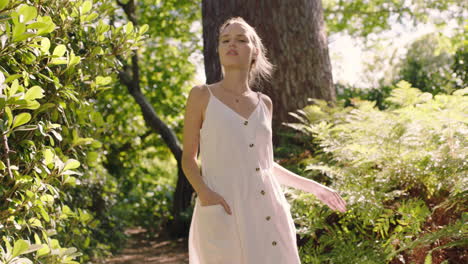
[(52, 61), (402, 172), (432, 63)]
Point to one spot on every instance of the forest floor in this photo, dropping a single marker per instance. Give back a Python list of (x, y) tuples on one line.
[(159, 250)]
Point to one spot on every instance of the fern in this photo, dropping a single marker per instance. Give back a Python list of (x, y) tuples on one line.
[(395, 168)]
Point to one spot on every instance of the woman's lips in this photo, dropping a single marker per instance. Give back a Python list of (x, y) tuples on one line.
[(231, 52)]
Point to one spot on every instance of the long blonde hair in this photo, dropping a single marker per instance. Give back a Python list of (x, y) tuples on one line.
[(261, 67)]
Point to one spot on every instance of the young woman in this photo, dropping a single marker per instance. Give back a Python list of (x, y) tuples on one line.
[(241, 215)]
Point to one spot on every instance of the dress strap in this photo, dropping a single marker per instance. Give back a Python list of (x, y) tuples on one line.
[(209, 90)]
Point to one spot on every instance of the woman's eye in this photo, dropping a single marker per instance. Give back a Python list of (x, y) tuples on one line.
[(242, 40)]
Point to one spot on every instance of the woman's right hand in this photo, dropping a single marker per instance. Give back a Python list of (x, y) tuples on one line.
[(209, 197)]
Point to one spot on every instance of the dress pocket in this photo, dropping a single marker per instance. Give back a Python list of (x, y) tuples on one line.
[(216, 227)]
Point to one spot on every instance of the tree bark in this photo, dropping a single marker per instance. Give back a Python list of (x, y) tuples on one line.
[(294, 35)]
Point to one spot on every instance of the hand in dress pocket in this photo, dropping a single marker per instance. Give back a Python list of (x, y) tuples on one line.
[(211, 198)]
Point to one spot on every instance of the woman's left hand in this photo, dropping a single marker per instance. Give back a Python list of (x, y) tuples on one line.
[(331, 198)]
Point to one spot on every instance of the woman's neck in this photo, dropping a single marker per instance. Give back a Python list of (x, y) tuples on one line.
[(235, 82)]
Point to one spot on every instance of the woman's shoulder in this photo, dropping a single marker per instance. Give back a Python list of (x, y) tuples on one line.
[(266, 99), (198, 97), (199, 91), (197, 88)]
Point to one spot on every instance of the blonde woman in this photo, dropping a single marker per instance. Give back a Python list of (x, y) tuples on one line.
[(241, 215)]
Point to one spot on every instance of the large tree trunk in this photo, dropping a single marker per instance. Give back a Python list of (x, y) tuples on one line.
[(294, 34)]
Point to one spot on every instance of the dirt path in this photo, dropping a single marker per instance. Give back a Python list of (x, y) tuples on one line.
[(158, 251)]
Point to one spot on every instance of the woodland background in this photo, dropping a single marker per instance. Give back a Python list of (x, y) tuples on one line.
[(92, 96)]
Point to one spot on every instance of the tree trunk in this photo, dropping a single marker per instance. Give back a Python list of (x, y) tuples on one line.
[(294, 35)]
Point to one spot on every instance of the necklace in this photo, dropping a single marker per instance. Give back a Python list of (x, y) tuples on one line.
[(236, 96)]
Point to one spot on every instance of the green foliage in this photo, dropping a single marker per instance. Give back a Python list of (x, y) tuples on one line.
[(432, 64), (52, 62), (377, 95), (136, 157), (402, 171), (360, 18)]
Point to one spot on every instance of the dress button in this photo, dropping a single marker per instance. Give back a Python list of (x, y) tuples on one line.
[(273, 243), (251, 145), (262, 192), (257, 169), (268, 218), (246, 122)]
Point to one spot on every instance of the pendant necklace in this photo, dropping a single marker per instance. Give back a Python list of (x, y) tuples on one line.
[(236, 96)]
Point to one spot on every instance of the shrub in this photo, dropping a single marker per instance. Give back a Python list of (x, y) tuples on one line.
[(402, 172), (52, 61)]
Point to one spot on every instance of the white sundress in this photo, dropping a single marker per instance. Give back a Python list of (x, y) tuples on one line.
[(237, 163)]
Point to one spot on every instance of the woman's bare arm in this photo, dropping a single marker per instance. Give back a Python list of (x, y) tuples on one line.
[(289, 178), (191, 134), (285, 177), (193, 119)]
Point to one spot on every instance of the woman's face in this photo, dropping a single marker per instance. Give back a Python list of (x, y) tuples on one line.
[(235, 48)]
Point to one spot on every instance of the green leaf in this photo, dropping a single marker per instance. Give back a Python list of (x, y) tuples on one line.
[(37, 25), (13, 77), (33, 104), (33, 247), (129, 27), (103, 80), (96, 144), (21, 119), (27, 13), (19, 248), (34, 92), (43, 251), (37, 239), (35, 222), (3, 100), (82, 141), (73, 59), (143, 29), (18, 32), (50, 25), (14, 86), (71, 164), (70, 180), (90, 17), (85, 217), (59, 50), (9, 115), (86, 7), (26, 128), (44, 213), (58, 61), (4, 3), (428, 259), (45, 45), (92, 156)]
